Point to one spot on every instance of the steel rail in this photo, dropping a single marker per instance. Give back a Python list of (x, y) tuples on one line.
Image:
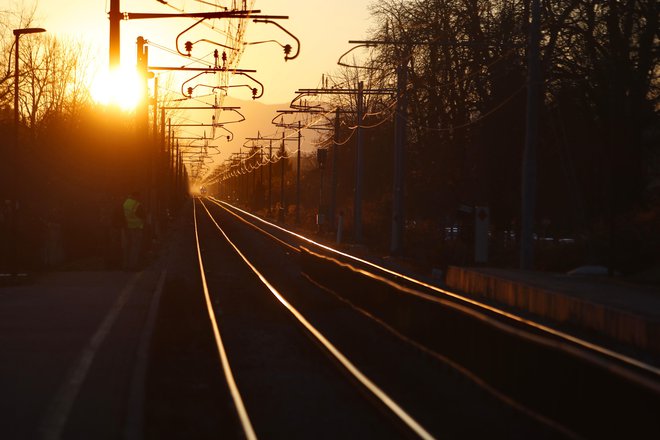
[(476, 379), (543, 328), (406, 418), (229, 376), (262, 231)]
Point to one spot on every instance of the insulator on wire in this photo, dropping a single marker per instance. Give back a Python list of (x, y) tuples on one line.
[(188, 45)]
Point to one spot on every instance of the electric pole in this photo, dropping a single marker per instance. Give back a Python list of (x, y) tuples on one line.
[(115, 19), (359, 153), (335, 164), (529, 165), (270, 167), (298, 177), (282, 154), (400, 123), (359, 168), (142, 63), (299, 139)]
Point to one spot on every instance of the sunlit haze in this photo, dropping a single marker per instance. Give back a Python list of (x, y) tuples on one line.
[(324, 29), (118, 87)]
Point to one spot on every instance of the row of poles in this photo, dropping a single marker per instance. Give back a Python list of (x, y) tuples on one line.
[(168, 177), (230, 178), (528, 185), (166, 182), (396, 245), (234, 182)]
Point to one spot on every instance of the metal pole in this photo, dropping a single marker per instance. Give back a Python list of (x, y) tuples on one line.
[(170, 162), (16, 79), (531, 141), (179, 177), (260, 201), (155, 103), (237, 187), (246, 183), (270, 177), (253, 199), (359, 166), (142, 124), (298, 179), (281, 213), (320, 212), (155, 159), (115, 20), (142, 63), (163, 163), (333, 189), (248, 176), (261, 171), (13, 209), (162, 128), (396, 246)]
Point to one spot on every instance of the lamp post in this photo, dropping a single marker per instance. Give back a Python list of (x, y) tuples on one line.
[(17, 34), (12, 168)]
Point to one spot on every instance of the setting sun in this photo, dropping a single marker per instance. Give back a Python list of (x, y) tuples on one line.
[(119, 87)]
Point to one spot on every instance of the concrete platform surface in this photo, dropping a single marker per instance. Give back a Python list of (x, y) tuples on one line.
[(68, 347), (628, 313)]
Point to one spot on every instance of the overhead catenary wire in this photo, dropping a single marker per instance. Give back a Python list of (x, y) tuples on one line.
[(481, 117), (233, 33), (453, 82)]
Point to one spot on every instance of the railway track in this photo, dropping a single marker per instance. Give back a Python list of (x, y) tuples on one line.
[(316, 343)]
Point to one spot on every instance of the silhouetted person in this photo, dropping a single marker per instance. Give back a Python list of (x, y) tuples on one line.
[(53, 250), (133, 231), (6, 257), (114, 223)]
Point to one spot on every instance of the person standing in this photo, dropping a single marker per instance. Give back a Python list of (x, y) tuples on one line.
[(133, 231)]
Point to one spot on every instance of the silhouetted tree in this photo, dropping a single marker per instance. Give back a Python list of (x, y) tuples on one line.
[(466, 92)]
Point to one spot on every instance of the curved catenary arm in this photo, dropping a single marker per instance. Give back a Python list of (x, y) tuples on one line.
[(255, 94), (287, 47), (183, 32)]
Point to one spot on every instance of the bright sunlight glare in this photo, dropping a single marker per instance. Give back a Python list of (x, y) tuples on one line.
[(121, 87)]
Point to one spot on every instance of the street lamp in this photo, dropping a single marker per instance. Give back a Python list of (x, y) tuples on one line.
[(17, 34), (14, 208)]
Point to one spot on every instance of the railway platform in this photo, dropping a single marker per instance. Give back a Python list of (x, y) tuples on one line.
[(624, 312), (74, 345), (73, 353)]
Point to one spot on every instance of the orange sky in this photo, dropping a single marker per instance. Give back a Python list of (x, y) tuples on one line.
[(323, 27)]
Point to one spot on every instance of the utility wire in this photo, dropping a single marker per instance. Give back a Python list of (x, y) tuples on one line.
[(480, 118)]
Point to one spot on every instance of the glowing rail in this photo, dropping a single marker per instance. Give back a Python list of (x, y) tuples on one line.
[(229, 376), (562, 335), (347, 364)]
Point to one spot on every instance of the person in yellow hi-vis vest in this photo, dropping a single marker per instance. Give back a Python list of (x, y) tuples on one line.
[(133, 231)]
